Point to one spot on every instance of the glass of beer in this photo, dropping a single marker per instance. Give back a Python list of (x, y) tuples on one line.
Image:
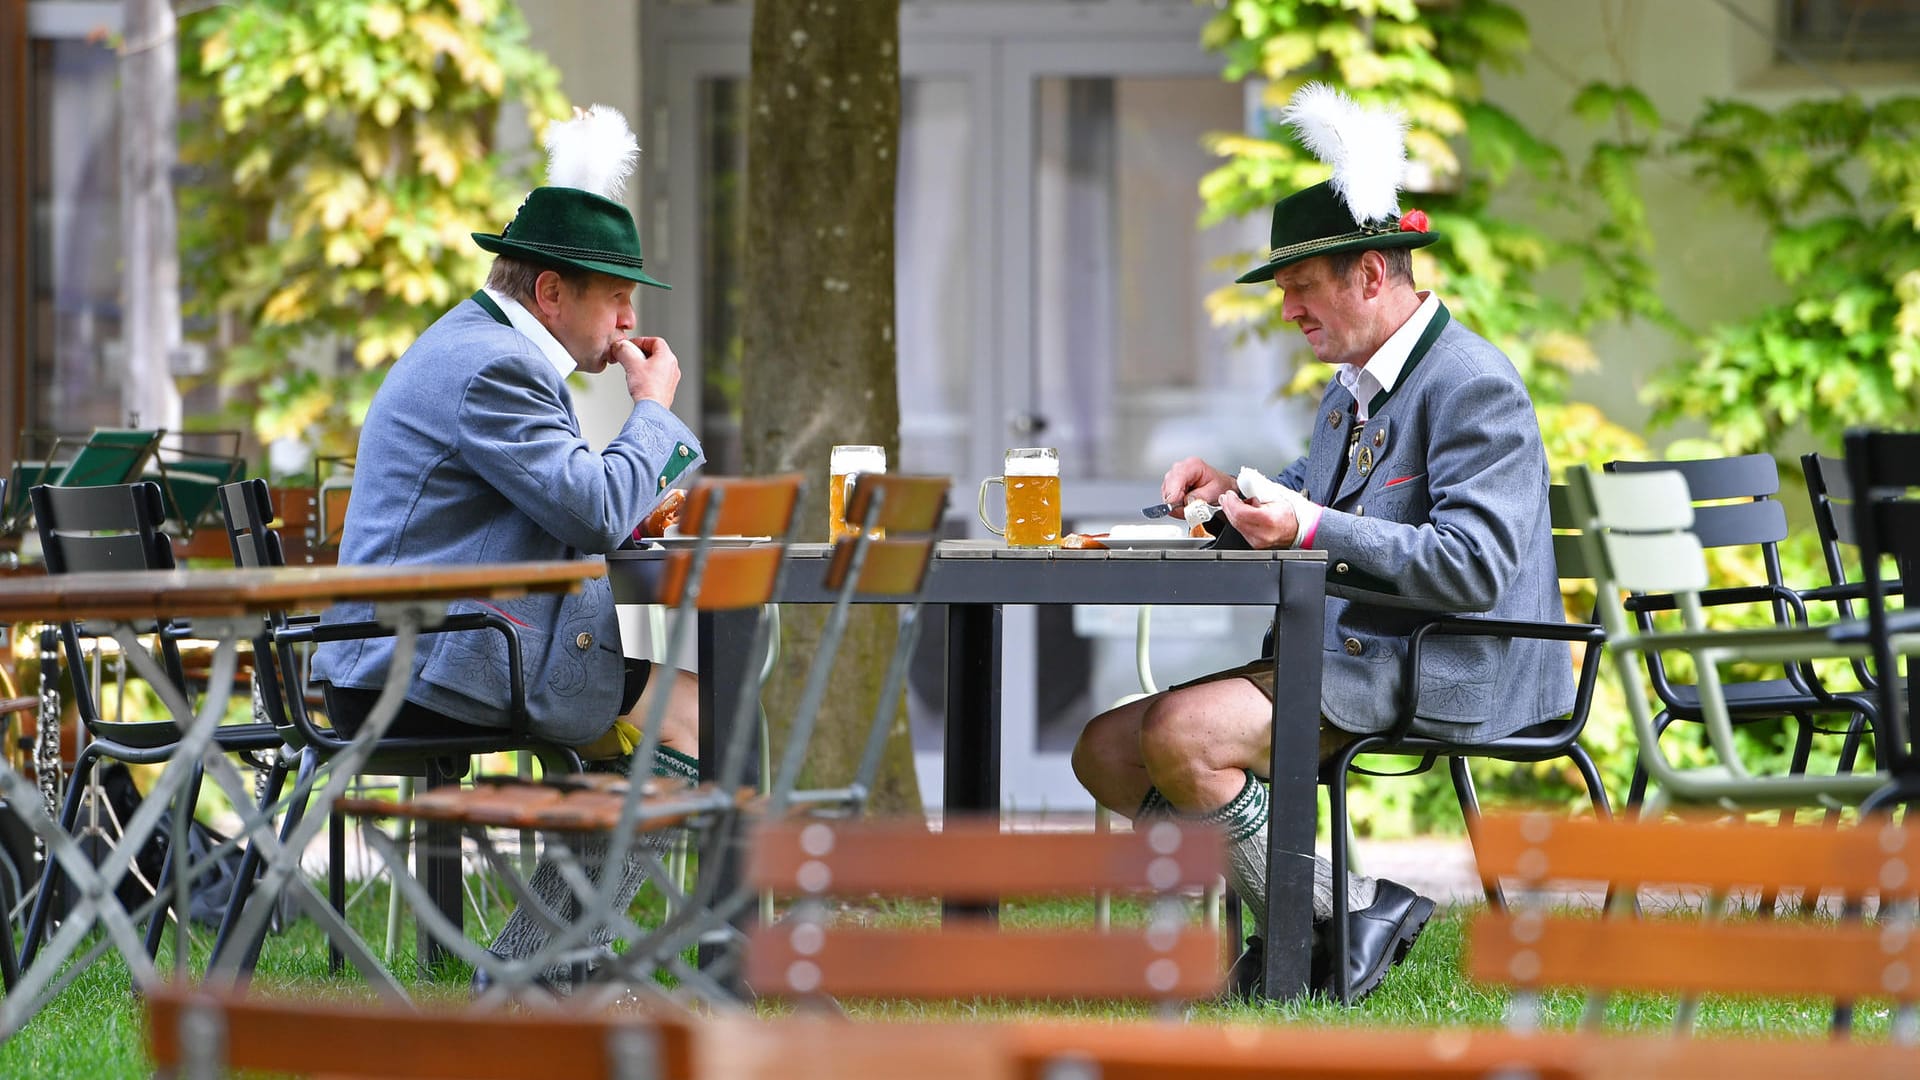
[(844, 464), (1032, 485)]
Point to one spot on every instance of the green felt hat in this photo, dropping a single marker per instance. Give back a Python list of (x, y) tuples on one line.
[(1316, 221), (563, 226)]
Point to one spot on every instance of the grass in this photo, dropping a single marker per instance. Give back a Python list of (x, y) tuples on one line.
[(94, 1029)]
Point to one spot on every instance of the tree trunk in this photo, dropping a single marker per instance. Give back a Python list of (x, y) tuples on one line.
[(823, 134)]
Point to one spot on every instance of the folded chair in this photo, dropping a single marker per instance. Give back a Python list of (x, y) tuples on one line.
[(810, 957), (190, 474), (1696, 871), (248, 510), (1558, 738), (1640, 538), (1735, 508), (701, 578)]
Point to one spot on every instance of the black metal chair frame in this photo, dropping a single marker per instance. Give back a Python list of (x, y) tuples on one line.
[(1882, 469), (112, 528), (1541, 742)]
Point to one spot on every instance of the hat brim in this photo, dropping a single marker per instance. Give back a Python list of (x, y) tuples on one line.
[(1303, 252), (499, 245)]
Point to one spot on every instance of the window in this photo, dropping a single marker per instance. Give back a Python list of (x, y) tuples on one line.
[(1850, 29)]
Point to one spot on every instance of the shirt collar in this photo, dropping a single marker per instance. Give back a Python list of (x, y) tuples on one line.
[(535, 331), (1382, 370)]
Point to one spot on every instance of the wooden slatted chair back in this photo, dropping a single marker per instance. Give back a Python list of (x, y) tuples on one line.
[(974, 860), (731, 578), (908, 509), (1773, 957), (198, 1033)]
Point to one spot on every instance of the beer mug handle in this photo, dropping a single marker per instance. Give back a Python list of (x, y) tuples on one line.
[(991, 527)]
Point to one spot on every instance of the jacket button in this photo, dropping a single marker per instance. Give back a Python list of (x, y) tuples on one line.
[(663, 483), (1352, 645), (684, 452), (1339, 568), (585, 640)]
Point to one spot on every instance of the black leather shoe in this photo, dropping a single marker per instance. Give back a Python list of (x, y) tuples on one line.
[(1248, 972), (1379, 936)]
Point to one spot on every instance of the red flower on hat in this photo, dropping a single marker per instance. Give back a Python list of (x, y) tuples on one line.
[(1413, 221)]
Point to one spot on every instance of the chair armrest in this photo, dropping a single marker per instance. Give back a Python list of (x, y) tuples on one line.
[(1476, 626), (1851, 590), (1741, 594), (357, 631)]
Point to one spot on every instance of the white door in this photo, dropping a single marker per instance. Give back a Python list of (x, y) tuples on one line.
[(1050, 282)]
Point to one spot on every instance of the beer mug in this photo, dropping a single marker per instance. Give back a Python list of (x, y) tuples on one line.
[(843, 465), (1032, 484)]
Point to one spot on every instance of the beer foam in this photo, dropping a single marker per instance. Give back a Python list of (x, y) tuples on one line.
[(862, 459), (1033, 466)]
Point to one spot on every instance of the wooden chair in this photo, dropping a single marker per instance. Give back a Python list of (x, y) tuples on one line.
[(247, 507), (703, 577), (1710, 953), (805, 956), (199, 1033)]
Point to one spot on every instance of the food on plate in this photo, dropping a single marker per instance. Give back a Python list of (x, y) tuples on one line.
[(1083, 541), (664, 516)]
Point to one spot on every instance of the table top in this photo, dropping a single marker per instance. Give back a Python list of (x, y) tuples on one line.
[(988, 572), (145, 594)]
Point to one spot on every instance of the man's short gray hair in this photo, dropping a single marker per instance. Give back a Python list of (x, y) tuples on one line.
[(1399, 263), (516, 278)]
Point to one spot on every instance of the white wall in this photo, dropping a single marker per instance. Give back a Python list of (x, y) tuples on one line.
[(596, 46)]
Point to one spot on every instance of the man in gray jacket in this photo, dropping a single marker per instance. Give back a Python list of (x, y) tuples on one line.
[(1425, 482), (472, 453)]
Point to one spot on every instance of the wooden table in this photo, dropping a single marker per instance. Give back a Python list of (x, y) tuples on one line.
[(975, 579), (228, 606)]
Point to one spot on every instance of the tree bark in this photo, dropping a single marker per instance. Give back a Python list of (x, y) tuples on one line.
[(823, 132)]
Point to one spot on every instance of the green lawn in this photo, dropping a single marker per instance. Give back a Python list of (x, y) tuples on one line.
[(94, 1028)]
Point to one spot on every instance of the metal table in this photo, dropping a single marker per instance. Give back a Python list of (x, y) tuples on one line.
[(974, 579)]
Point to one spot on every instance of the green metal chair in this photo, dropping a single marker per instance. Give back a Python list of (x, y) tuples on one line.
[(190, 475), (1639, 539)]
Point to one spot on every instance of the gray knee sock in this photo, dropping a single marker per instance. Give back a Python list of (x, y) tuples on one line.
[(526, 933), (1245, 820)]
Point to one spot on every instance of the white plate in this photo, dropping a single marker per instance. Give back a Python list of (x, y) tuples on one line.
[(717, 541), (1156, 543)]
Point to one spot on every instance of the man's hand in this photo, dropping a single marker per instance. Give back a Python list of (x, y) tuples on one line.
[(653, 372), (1192, 479), (1264, 525)]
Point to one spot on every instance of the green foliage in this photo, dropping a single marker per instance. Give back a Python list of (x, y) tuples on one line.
[(347, 147), (1833, 190), (1428, 62)]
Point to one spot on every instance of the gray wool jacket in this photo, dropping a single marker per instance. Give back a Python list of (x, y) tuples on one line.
[(472, 453), (1444, 509)]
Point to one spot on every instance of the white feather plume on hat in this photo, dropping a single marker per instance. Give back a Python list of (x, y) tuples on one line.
[(594, 151), (1366, 148)]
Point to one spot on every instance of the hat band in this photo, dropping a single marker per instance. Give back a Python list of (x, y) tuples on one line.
[(1308, 247), (588, 254)]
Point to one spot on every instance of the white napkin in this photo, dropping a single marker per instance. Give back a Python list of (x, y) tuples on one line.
[(1257, 487)]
